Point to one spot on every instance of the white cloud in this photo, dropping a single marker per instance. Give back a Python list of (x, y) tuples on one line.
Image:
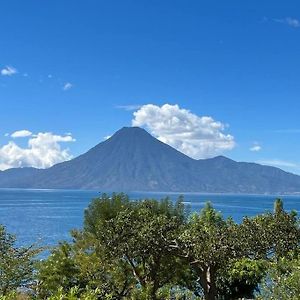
[(289, 21), (21, 133), (67, 86), (43, 151), (8, 71), (255, 148), (196, 136)]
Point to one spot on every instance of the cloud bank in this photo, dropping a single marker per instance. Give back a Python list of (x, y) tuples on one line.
[(43, 150), (195, 136)]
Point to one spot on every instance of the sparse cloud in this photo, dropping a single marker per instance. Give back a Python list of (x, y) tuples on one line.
[(129, 107), (8, 71), (292, 22), (255, 148), (43, 150), (21, 133), (67, 86), (196, 136)]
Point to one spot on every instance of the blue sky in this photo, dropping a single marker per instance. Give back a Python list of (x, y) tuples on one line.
[(84, 67)]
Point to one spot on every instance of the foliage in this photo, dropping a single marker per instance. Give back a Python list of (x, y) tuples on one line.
[(279, 233), (123, 250), (150, 250), (241, 277), (208, 243), (58, 270), (138, 236), (16, 264), (74, 294), (283, 280)]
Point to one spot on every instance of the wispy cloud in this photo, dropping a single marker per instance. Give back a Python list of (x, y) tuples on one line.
[(129, 107), (255, 148), (292, 22), (67, 86), (279, 163), (21, 133), (8, 71)]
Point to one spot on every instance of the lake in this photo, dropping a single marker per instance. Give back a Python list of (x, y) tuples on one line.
[(47, 216)]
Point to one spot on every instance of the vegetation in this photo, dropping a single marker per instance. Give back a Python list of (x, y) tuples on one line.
[(16, 264), (150, 250)]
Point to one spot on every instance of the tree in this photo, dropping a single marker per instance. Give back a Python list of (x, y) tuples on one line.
[(139, 235), (240, 278), (224, 265), (151, 250), (282, 280), (208, 243), (58, 270), (79, 267), (16, 264), (123, 250), (278, 232)]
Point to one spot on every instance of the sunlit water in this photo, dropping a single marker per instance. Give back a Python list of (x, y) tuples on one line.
[(47, 216)]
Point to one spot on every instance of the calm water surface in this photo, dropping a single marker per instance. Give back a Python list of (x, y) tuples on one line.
[(47, 216)]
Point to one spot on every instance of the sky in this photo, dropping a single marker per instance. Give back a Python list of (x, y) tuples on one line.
[(207, 77)]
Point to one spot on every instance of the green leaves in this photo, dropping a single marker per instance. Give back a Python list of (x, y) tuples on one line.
[(16, 264), (152, 250), (140, 235), (282, 280)]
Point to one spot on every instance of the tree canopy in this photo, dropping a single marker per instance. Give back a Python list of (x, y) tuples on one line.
[(150, 249)]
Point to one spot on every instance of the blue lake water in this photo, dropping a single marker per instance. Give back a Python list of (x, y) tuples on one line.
[(47, 216)]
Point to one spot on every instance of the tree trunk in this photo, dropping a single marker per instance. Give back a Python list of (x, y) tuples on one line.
[(210, 289)]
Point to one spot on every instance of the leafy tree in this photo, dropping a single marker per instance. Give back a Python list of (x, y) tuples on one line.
[(123, 250), (16, 264), (79, 267), (139, 235), (278, 232), (152, 250), (58, 270), (208, 243), (240, 278), (282, 281)]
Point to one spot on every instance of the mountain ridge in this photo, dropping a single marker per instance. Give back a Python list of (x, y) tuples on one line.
[(133, 160)]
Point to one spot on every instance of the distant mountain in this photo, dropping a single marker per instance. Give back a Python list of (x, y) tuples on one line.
[(133, 160)]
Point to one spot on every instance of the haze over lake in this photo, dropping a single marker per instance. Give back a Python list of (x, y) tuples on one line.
[(47, 216)]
